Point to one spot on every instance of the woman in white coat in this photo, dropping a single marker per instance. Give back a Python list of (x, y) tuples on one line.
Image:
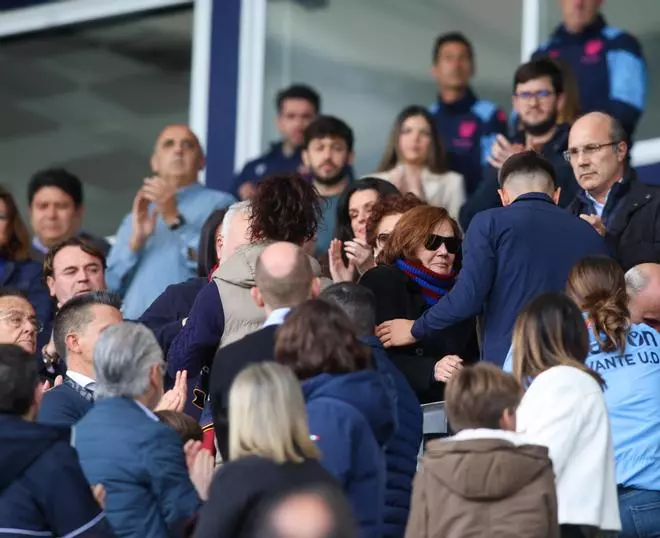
[(564, 409), (414, 161)]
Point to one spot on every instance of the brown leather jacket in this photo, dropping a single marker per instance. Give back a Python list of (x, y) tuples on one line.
[(484, 487)]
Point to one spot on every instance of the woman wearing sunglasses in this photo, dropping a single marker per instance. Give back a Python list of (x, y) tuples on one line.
[(421, 258)]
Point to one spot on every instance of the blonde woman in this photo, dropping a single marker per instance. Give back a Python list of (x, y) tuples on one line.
[(270, 451), (414, 161), (564, 409)]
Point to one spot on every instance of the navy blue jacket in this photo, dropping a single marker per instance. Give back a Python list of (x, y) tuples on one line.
[(43, 491), (351, 417), (63, 406), (486, 196), (468, 128), (609, 66), (402, 449), (272, 162), (140, 462), (28, 277), (165, 314), (510, 255)]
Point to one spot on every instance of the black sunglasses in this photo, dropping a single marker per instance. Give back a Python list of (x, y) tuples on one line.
[(434, 242)]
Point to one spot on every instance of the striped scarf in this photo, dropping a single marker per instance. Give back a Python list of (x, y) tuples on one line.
[(433, 285)]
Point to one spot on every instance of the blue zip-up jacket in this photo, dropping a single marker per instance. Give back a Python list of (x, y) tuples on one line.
[(402, 450), (351, 418), (510, 255), (43, 491), (633, 402), (609, 66), (272, 162), (468, 128)]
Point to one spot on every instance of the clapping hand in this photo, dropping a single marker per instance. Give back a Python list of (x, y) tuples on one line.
[(339, 271), (175, 398), (502, 149)]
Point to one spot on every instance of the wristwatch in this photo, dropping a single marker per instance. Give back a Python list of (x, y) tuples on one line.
[(180, 221)]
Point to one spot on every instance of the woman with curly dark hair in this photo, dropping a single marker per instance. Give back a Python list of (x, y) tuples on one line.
[(284, 208), (351, 410)]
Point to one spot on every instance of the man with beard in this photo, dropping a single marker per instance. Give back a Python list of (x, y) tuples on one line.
[(538, 95), (328, 153)]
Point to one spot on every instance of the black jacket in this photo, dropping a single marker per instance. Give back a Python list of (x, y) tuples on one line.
[(486, 197), (241, 489), (229, 361), (398, 297), (632, 220)]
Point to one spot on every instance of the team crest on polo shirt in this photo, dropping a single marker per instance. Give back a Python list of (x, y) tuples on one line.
[(260, 169), (592, 50), (315, 438), (554, 54), (467, 128)]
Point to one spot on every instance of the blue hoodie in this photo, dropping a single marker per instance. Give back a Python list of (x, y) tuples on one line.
[(351, 418), (43, 491), (633, 402)]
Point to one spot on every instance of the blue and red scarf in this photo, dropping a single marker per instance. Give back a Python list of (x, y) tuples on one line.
[(433, 285)]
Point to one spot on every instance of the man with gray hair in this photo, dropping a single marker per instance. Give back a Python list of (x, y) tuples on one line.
[(122, 444), (77, 328), (643, 287), (620, 208)]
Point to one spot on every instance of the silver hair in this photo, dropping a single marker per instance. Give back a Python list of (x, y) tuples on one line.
[(123, 356), (636, 281), (232, 211)]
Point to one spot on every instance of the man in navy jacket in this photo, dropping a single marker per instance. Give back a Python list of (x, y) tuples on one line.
[(510, 255), (608, 62), (468, 125), (43, 491)]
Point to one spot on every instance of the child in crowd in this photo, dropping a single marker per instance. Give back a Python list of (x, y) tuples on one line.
[(185, 426), (485, 480)]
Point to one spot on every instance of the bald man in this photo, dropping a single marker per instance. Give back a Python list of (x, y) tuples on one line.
[(156, 244), (643, 286), (623, 210), (284, 279)]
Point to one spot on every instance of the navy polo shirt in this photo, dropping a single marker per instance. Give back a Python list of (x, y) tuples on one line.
[(272, 162), (468, 128), (609, 66)]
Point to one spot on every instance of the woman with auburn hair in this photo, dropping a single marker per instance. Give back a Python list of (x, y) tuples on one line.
[(415, 161), (628, 358), (564, 409), (351, 406), (385, 213), (270, 451), (17, 270), (420, 262)]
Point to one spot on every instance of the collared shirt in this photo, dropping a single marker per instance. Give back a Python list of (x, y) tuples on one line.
[(277, 317), (82, 380), (598, 207), (140, 277), (38, 245), (274, 161), (611, 203), (147, 411)]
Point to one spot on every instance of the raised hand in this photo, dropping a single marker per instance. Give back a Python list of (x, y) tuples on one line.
[(502, 149), (163, 195), (144, 222), (175, 398), (339, 271), (361, 254)]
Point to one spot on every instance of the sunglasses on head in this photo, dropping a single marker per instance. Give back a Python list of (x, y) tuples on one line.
[(434, 242)]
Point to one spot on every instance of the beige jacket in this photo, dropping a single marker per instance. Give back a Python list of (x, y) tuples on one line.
[(235, 278), (441, 190)]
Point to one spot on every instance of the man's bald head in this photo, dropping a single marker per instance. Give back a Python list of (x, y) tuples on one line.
[(643, 287), (284, 276), (177, 154)]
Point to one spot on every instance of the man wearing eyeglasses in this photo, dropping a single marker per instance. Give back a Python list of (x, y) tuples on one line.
[(623, 210), (18, 320), (538, 96)]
